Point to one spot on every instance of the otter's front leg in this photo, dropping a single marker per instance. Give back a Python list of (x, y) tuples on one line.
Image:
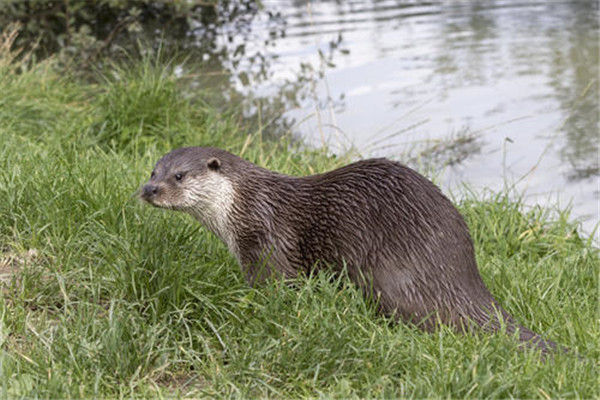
[(260, 264)]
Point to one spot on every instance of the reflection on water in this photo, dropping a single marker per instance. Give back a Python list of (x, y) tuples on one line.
[(517, 78)]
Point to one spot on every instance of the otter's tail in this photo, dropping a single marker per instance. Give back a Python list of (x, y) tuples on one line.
[(532, 339), (497, 318)]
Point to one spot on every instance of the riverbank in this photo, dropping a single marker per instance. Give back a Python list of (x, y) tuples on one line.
[(104, 297)]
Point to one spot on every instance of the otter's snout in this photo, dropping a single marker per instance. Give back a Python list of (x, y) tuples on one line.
[(149, 191)]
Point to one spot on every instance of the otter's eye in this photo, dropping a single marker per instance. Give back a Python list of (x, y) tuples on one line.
[(178, 177)]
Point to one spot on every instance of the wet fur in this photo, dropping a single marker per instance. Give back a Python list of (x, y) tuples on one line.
[(399, 237)]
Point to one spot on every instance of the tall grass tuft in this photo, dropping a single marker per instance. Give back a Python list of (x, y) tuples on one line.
[(139, 105)]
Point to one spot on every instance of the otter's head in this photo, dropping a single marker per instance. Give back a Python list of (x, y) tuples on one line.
[(194, 180)]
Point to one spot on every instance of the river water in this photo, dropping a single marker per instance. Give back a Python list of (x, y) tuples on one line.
[(488, 94)]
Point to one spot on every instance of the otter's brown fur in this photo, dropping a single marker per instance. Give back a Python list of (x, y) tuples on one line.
[(398, 236)]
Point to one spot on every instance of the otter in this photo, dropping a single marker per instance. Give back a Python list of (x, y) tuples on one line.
[(399, 237)]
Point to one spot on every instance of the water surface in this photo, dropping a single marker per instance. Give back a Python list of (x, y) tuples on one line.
[(501, 93)]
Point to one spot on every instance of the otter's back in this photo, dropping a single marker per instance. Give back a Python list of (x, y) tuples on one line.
[(382, 219)]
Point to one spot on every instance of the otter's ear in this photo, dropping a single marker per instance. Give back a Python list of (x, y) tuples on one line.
[(213, 163)]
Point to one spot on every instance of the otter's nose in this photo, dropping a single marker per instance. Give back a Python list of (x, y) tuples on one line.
[(149, 191)]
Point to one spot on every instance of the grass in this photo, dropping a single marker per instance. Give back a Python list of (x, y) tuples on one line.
[(108, 298)]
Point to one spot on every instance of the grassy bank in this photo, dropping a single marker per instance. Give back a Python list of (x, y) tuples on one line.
[(103, 297)]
